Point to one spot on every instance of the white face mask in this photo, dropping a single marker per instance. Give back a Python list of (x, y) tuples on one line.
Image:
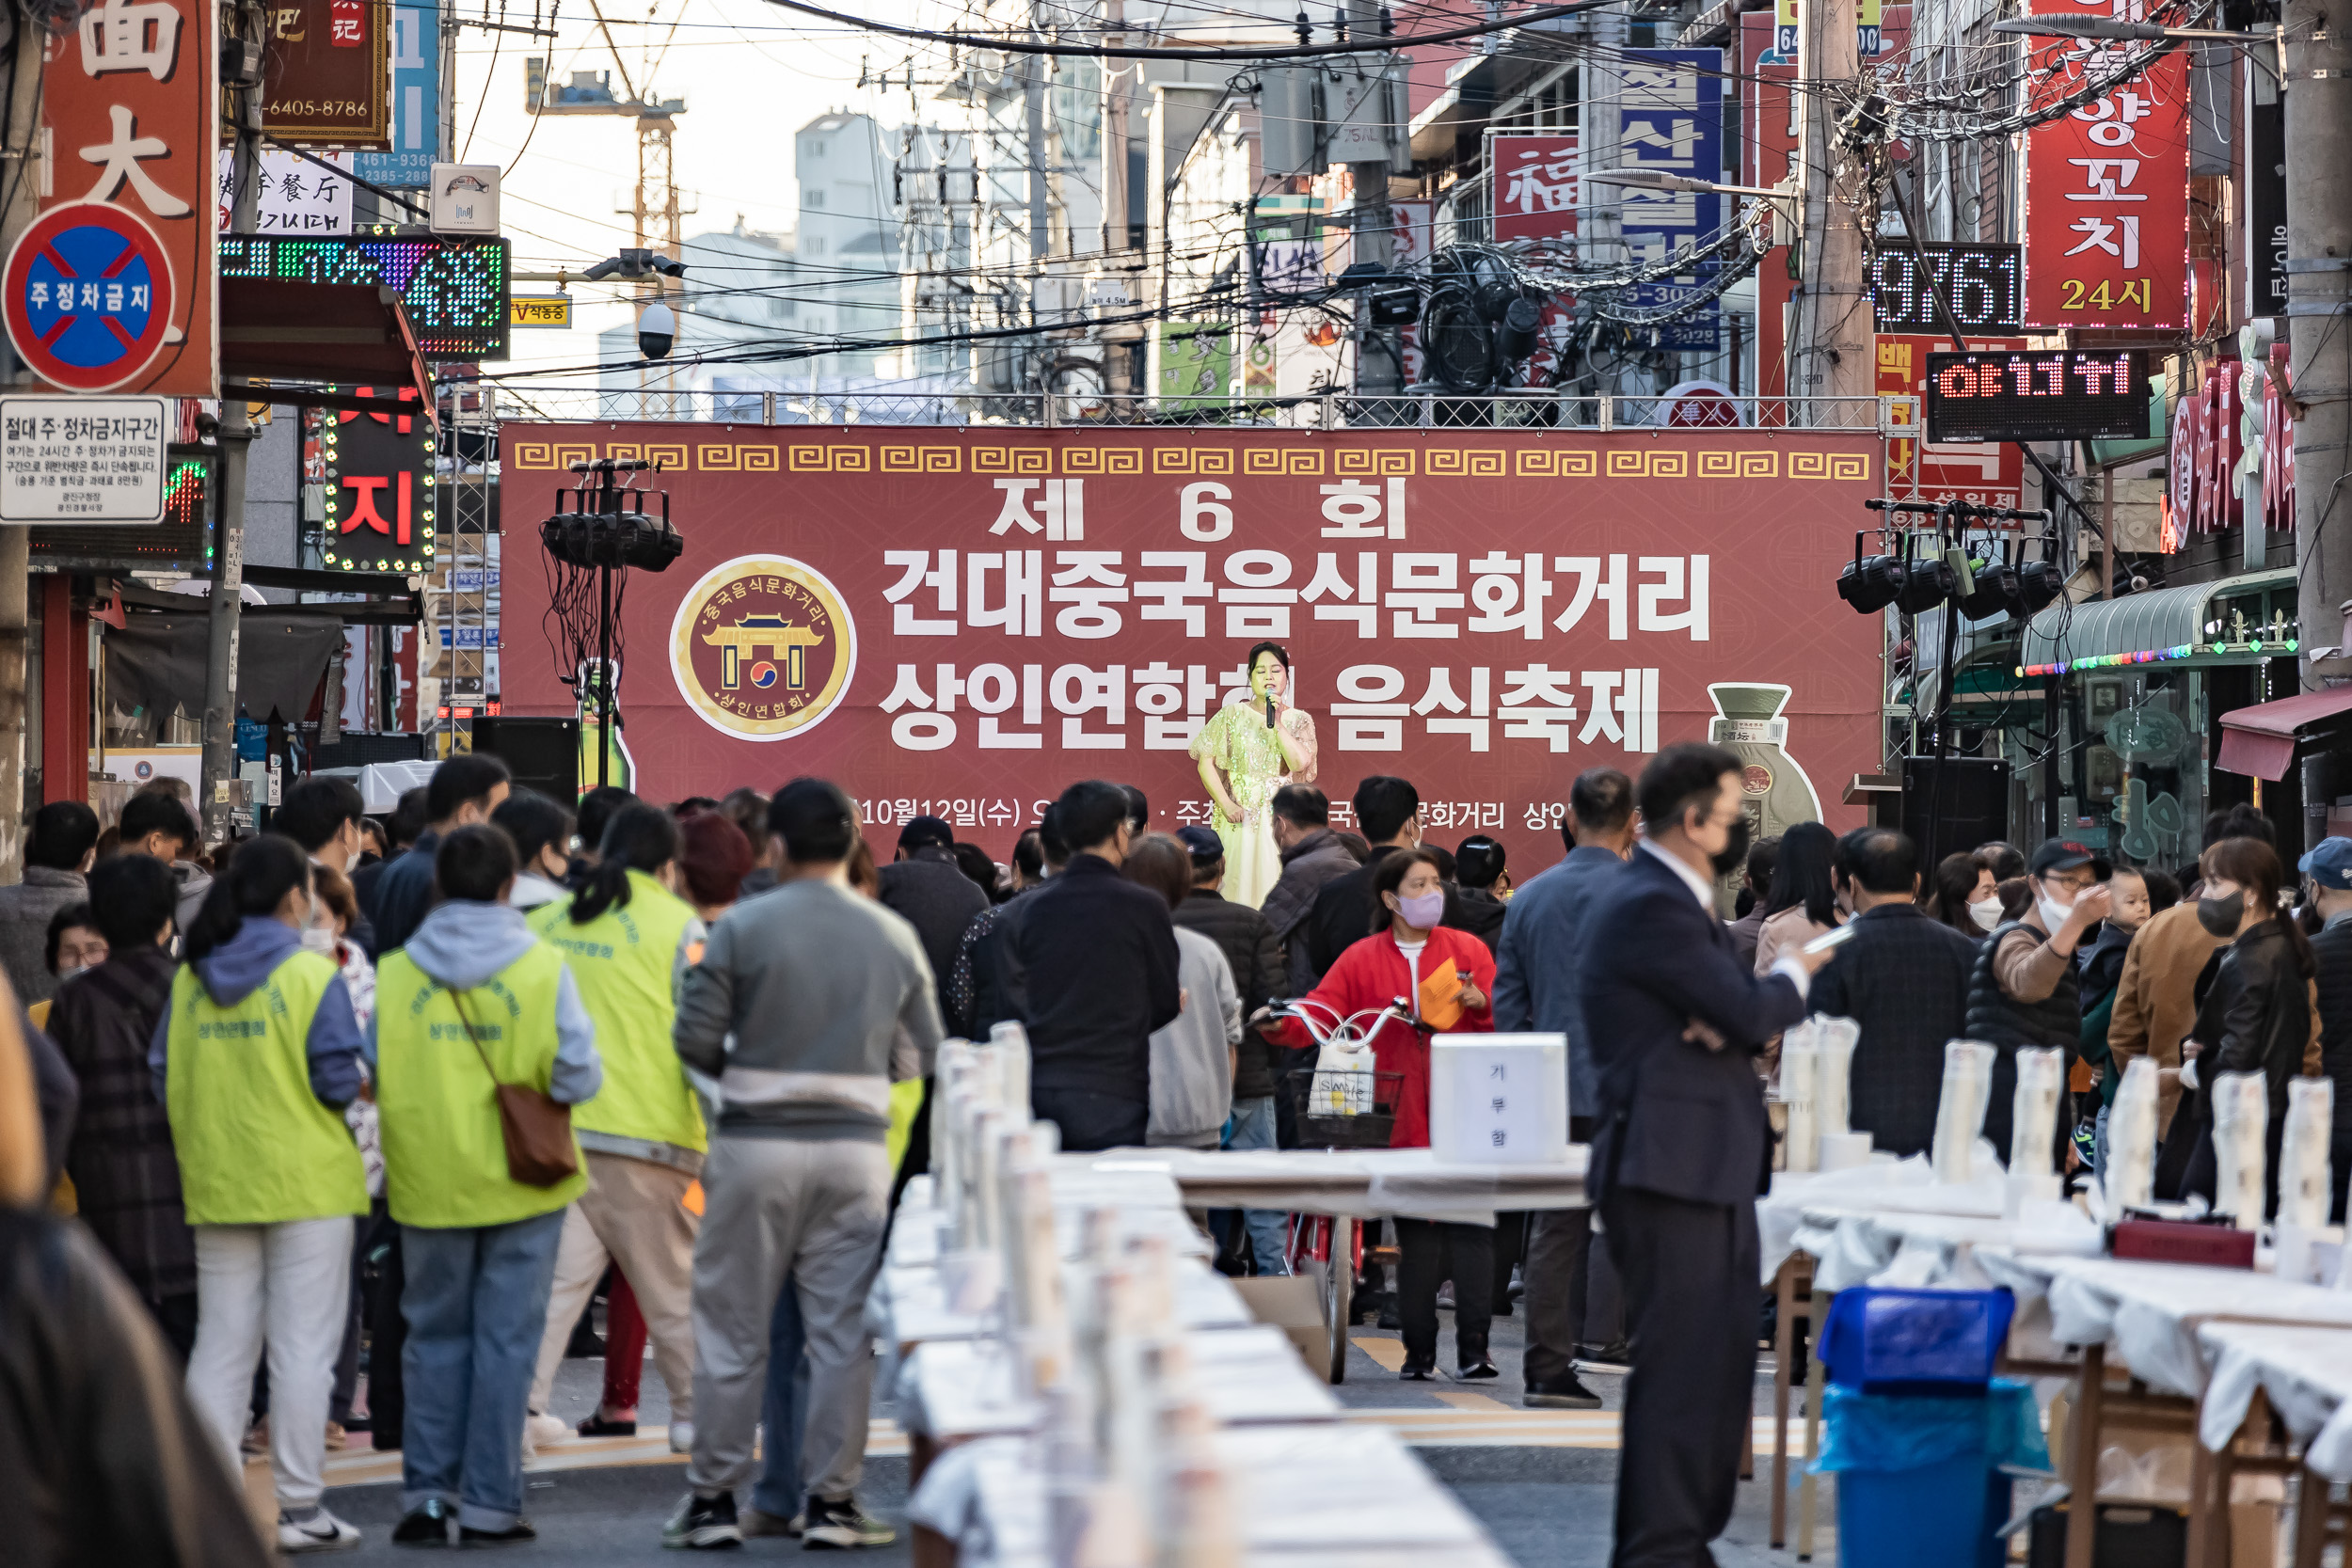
[(65, 974), (2053, 913), (1986, 915), (319, 938)]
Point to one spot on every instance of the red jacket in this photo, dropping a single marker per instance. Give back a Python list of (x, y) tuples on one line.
[(1372, 974)]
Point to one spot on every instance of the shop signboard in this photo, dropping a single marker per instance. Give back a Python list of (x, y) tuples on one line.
[(297, 196), (415, 101), (1671, 121), (1982, 473), (2037, 395), (379, 502), (83, 459), (1487, 614), (2106, 182), (455, 290), (325, 74)]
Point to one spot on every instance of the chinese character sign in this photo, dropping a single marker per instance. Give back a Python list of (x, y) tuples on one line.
[(1488, 615), (297, 196), (128, 111), (1671, 117), (416, 99), (2107, 184), (328, 77), (1537, 186)]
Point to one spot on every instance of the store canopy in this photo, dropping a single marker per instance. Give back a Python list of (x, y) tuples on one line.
[(2159, 619), (276, 330), (2260, 741)]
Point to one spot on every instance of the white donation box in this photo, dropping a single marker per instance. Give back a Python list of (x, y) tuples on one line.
[(1499, 1100)]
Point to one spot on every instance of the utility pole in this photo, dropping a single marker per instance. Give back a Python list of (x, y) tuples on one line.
[(219, 762), (1829, 353), (1377, 372), (1599, 219), (22, 131), (2317, 63), (1119, 79)]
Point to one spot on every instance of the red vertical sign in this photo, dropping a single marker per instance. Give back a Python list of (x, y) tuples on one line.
[(2106, 182), (129, 117), (1538, 182)]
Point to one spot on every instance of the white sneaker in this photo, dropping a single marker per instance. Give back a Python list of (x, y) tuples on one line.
[(540, 1430), (681, 1437), (323, 1532)]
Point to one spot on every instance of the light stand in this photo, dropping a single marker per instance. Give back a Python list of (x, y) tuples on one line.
[(604, 527)]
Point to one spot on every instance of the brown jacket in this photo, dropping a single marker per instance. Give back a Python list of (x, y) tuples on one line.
[(2155, 1001)]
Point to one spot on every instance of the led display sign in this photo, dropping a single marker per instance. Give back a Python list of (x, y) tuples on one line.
[(1979, 283), (2028, 395), (379, 488), (455, 290)]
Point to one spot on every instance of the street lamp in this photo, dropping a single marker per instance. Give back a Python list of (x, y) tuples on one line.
[(1659, 179)]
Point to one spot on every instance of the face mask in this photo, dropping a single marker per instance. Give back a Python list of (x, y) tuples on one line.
[(65, 974), (2221, 916), (319, 938), (1987, 914), (2053, 913), (1422, 910), (1734, 854)]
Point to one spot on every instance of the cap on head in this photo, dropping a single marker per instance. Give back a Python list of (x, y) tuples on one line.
[(2329, 864), (922, 832), (1202, 842), (2061, 855)]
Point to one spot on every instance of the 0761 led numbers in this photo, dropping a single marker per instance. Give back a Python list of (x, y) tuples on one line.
[(1981, 284)]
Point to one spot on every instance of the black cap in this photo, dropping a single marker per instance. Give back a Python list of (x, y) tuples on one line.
[(2061, 854), (1202, 842), (925, 831)]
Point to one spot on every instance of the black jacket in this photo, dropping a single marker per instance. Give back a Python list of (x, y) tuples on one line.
[(931, 890), (1476, 910), (1343, 913), (2001, 1021), (1674, 1117), (1097, 953), (402, 894), (2256, 1018), (2332, 947), (1904, 979), (1248, 943)]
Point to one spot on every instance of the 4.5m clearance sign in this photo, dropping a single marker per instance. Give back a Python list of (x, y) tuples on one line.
[(962, 622)]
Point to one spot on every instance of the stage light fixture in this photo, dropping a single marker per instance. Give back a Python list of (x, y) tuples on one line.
[(1869, 583)]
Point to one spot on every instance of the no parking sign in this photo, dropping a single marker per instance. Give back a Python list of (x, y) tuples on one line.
[(86, 294)]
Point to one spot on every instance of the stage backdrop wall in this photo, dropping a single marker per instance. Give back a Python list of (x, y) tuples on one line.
[(962, 622)]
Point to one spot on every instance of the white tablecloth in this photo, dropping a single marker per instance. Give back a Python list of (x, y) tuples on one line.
[(1861, 1247), (1359, 1183), (2305, 1372), (953, 1391), (2150, 1314), (1881, 1187), (909, 1305), (1327, 1496)]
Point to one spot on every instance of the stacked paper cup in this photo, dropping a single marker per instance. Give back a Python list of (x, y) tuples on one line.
[(2129, 1179), (1800, 1083), (1842, 1149), (2041, 1084), (2241, 1118), (2303, 1170), (1960, 1111)]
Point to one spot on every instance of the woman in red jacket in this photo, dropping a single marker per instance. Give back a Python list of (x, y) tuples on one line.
[(1395, 961)]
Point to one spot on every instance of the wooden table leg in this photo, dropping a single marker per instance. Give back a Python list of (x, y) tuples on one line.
[(1784, 1353), (1815, 1380), (2311, 1519), (2082, 1457)]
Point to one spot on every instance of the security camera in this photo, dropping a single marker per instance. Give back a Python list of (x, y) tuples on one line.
[(657, 329)]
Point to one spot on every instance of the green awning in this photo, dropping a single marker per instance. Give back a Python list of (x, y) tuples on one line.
[(2161, 620)]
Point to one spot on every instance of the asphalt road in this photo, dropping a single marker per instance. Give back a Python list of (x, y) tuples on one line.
[(1543, 1481)]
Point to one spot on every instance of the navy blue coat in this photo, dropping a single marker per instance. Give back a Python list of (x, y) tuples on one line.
[(1538, 957), (1674, 1117)]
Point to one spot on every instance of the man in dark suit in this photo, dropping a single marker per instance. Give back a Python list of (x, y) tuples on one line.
[(1679, 1151), (1901, 977), (1535, 976)]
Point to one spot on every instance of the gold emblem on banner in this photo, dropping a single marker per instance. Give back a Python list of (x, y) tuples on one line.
[(763, 648)]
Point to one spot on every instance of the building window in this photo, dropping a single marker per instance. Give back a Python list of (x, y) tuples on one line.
[(812, 198)]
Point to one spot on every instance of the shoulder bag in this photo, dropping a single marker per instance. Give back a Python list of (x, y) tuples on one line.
[(537, 1128)]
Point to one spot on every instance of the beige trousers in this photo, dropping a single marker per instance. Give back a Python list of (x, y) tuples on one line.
[(635, 1214)]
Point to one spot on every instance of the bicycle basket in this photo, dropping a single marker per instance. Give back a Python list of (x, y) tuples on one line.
[(1345, 1110)]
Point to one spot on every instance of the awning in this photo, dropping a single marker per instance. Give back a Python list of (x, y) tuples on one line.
[(1464, 100), (2160, 620), (276, 330), (2260, 741)]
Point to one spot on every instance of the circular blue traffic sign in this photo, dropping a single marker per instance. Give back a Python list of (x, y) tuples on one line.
[(87, 295)]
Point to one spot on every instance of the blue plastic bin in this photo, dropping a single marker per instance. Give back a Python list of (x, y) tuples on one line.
[(1923, 1479), (1877, 1340)]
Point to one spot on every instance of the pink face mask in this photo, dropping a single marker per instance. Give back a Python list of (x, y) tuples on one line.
[(1422, 910)]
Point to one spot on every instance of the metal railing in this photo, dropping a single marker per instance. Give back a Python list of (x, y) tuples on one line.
[(1333, 411)]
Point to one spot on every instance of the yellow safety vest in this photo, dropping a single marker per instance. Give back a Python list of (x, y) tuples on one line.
[(444, 1155), (256, 1147), (624, 962)]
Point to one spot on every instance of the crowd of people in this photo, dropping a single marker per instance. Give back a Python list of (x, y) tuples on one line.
[(409, 1096)]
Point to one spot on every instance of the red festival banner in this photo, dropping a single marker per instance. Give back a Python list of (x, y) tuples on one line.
[(962, 623), (2107, 184)]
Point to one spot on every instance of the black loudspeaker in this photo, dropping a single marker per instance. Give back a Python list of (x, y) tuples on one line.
[(542, 753), (1971, 805)]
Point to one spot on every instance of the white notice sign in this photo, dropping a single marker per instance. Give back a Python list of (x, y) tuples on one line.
[(83, 459)]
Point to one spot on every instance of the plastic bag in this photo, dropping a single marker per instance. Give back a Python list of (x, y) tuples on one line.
[(1884, 1432)]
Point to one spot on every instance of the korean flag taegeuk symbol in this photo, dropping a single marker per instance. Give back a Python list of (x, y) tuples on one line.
[(87, 295)]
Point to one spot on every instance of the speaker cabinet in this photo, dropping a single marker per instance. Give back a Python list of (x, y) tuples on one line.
[(543, 753)]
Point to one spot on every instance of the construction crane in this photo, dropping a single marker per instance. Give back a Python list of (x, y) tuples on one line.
[(656, 206)]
